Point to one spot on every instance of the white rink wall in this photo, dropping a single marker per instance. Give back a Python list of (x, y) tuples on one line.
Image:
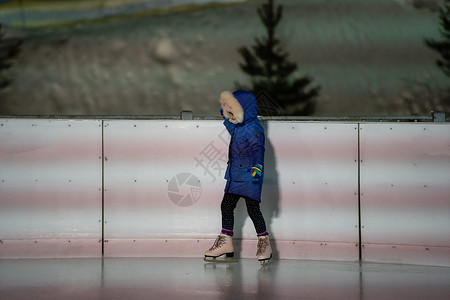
[(332, 191)]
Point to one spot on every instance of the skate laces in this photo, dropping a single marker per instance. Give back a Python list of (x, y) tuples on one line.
[(220, 240)]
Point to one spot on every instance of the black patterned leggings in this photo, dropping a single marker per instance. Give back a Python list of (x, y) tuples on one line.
[(227, 207)]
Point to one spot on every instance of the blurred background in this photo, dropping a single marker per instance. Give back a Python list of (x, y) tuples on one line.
[(152, 57)]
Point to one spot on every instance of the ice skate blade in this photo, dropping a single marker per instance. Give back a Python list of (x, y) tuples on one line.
[(266, 261), (221, 260)]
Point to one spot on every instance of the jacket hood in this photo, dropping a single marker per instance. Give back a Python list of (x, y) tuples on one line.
[(241, 103)]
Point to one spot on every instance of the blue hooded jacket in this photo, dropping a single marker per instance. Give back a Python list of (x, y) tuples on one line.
[(246, 147)]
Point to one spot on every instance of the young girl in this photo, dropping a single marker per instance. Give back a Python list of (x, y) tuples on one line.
[(244, 173)]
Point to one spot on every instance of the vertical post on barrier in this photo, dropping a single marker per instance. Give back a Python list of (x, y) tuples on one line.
[(359, 194), (438, 116), (103, 189), (187, 115)]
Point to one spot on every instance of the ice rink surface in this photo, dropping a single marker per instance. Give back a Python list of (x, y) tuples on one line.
[(191, 278)]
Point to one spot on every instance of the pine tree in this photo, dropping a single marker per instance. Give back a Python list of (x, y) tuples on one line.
[(271, 72), (9, 48), (443, 46)]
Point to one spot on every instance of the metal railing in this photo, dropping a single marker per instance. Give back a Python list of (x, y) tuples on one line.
[(189, 115)]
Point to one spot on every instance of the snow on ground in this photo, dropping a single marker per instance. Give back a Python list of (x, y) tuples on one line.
[(365, 54)]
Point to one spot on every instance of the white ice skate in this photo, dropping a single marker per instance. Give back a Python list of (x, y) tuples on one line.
[(222, 245), (264, 251)]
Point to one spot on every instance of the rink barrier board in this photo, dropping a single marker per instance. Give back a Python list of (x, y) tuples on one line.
[(51, 248), (405, 192), (243, 248), (311, 172), (50, 187), (146, 187)]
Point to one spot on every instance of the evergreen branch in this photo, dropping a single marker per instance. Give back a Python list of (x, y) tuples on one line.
[(442, 46), (266, 62)]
